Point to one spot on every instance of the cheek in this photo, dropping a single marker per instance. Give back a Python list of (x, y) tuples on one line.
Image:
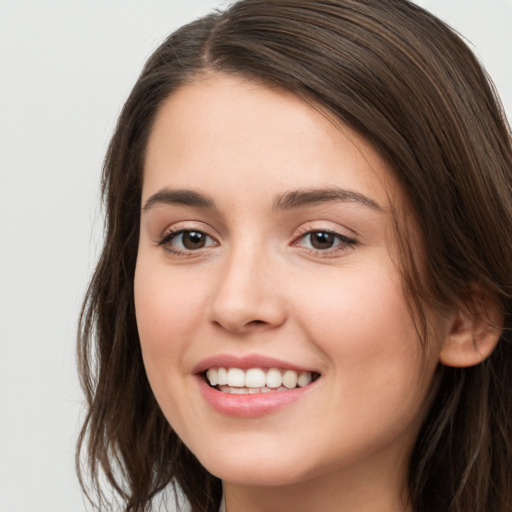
[(360, 320), (381, 377), (366, 301), (166, 308)]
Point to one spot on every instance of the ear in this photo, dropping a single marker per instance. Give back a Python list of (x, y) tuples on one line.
[(474, 332)]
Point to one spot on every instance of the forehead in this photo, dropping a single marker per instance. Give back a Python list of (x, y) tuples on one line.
[(231, 131)]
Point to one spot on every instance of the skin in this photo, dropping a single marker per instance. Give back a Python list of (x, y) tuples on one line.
[(259, 287)]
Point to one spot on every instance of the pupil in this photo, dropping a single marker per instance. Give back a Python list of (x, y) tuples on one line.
[(322, 240), (193, 240)]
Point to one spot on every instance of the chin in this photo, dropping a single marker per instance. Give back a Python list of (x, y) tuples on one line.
[(249, 475), (261, 471)]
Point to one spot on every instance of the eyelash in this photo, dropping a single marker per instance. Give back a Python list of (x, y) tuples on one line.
[(343, 242), (168, 238)]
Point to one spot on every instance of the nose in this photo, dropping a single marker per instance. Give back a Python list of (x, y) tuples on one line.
[(248, 296)]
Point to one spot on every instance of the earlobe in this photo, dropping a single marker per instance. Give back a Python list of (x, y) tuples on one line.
[(473, 336)]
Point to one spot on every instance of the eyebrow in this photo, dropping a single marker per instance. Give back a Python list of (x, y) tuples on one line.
[(178, 197), (291, 200), (306, 197)]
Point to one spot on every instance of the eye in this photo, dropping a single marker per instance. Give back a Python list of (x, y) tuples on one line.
[(186, 240), (324, 241)]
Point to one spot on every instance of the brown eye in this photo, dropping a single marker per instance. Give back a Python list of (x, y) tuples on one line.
[(321, 240), (193, 240), (325, 241), (186, 240)]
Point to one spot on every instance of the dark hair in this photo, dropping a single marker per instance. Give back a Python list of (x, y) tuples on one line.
[(408, 84)]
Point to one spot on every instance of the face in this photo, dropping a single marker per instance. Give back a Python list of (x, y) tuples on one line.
[(265, 263)]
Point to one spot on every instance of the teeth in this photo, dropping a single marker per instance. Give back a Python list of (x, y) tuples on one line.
[(236, 378), (304, 379), (256, 380), (212, 376), (274, 378), (290, 379), (249, 391), (222, 376)]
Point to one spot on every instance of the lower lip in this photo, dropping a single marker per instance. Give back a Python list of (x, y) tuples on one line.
[(251, 405)]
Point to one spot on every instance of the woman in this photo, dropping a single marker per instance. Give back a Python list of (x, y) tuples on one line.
[(303, 301)]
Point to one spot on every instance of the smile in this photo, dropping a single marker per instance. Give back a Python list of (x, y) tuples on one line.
[(257, 380)]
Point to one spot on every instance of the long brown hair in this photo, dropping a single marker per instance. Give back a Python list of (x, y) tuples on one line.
[(409, 85)]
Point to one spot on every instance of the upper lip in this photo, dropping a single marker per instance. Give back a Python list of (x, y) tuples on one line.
[(246, 362)]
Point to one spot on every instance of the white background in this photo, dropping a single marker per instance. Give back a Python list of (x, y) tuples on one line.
[(65, 69)]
